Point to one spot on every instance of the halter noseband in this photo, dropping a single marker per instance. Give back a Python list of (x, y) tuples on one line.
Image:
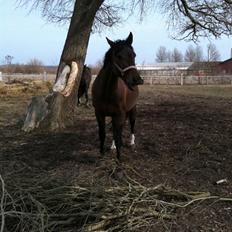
[(122, 71)]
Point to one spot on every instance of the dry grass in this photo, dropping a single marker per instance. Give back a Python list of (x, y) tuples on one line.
[(18, 88), (223, 91), (21, 92)]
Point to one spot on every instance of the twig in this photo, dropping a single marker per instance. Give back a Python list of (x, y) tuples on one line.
[(45, 205), (2, 202)]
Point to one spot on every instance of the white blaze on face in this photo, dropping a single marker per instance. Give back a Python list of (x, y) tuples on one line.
[(132, 140), (113, 147)]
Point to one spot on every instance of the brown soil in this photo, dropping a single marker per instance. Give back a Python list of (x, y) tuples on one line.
[(182, 140)]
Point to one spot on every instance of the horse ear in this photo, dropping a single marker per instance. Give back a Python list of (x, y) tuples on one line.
[(129, 39), (110, 42)]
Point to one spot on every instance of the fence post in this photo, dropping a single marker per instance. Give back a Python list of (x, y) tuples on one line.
[(1, 79), (181, 79), (44, 76)]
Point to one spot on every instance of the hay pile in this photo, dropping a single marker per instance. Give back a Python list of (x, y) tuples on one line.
[(24, 87), (36, 204)]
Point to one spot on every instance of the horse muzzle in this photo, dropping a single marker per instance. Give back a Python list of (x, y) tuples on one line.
[(140, 82)]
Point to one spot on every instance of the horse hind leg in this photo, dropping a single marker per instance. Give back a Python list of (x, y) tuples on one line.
[(79, 95), (132, 117), (101, 131), (78, 101)]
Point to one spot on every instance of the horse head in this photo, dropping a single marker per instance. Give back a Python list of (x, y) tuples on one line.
[(122, 57)]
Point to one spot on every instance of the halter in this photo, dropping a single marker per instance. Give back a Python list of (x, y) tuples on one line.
[(122, 71)]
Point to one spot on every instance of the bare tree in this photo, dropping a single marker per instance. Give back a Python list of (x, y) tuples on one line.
[(212, 53), (190, 18), (190, 54), (35, 62), (96, 67), (176, 55), (193, 19), (8, 59), (34, 66), (162, 54), (199, 54), (194, 54), (169, 56)]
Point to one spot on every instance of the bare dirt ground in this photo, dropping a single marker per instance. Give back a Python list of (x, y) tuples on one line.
[(183, 140)]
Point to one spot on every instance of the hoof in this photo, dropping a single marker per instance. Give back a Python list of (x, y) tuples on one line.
[(87, 106), (102, 152), (118, 160)]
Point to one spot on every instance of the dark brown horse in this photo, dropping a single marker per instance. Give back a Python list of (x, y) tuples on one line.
[(84, 84), (115, 91)]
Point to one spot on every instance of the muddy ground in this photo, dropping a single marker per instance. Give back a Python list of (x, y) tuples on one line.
[(183, 140)]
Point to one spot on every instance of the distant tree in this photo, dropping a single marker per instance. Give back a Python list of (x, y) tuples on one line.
[(35, 62), (212, 53), (8, 59), (34, 66), (190, 54), (176, 55), (169, 56), (199, 53), (162, 55), (96, 67), (194, 54), (19, 68)]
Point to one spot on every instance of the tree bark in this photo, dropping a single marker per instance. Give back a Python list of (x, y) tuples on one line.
[(61, 109)]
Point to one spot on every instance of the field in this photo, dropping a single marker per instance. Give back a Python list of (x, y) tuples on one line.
[(183, 141)]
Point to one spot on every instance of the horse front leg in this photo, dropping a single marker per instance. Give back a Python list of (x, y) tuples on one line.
[(78, 101), (118, 122), (132, 118), (101, 131)]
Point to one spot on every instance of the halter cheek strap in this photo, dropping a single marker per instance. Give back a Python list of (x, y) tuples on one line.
[(122, 71)]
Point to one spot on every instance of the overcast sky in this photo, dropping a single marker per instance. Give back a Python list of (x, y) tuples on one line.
[(25, 36)]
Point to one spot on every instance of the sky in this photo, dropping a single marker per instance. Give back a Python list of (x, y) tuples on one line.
[(26, 36)]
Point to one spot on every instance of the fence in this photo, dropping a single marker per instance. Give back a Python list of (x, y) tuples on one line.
[(188, 80), (19, 76), (152, 80)]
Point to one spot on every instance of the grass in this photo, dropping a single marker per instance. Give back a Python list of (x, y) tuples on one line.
[(222, 91)]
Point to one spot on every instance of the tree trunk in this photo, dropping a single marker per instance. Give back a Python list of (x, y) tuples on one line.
[(61, 108)]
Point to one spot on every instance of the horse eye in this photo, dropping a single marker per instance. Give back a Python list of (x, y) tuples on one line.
[(132, 55)]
